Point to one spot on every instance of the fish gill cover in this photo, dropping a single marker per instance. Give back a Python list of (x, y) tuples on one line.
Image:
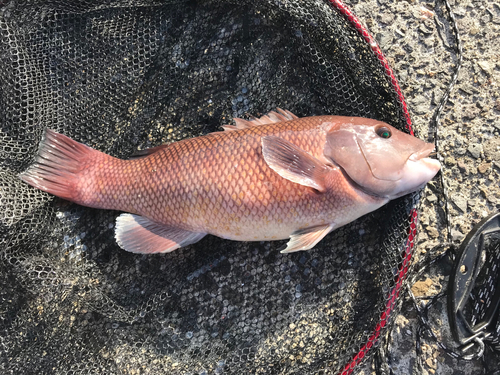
[(121, 76)]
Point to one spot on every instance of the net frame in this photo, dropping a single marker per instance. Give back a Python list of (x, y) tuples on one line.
[(406, 250)]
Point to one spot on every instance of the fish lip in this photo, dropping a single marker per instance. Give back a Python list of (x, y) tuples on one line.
[(422, 157), (433, 164), (423, 153)]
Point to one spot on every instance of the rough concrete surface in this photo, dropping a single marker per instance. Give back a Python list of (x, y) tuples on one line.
[(419, 43)]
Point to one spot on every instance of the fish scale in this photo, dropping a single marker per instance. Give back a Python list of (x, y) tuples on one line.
[(264, 179), (218, 184)]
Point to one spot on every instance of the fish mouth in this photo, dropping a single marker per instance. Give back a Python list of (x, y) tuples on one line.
[(422, 157), (423, 153), (430, 163)]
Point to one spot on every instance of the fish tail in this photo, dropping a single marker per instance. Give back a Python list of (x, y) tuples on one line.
[(57, 165)]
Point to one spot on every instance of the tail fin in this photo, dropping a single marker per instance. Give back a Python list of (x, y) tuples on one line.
[(57, 164)]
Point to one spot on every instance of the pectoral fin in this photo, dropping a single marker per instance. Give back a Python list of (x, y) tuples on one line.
[(293, 163), (306, 239), (138, 234)]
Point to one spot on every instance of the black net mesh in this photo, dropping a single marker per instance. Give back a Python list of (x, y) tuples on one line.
[(123, 75)]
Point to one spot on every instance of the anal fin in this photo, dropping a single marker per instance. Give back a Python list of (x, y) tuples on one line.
[(138, 234), (306, 239)]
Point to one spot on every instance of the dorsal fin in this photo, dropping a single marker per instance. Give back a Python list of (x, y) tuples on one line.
[(272, 117), (142, 153)]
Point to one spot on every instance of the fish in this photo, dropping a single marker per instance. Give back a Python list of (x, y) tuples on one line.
[(270, 178)]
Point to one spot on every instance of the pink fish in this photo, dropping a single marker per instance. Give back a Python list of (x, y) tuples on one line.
[(271, 178)]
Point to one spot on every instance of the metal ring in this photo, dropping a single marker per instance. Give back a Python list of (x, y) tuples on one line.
[(479, 353)]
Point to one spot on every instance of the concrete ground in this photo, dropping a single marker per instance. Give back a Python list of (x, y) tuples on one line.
[(418, 41)]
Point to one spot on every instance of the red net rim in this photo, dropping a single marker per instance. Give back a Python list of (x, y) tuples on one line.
[(407, 252)]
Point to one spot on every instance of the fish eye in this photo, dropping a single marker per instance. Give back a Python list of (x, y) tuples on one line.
[(384, 132)]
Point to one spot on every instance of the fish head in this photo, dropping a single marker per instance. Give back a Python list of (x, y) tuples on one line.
[(379, 158)]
